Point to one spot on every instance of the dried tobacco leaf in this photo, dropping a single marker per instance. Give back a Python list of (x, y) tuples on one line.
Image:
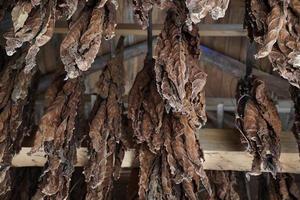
[(295, 94), (226, 185), (198, 9), (259, 123), (58, 136), (146, 108), (283, 187), (106, 147), (67, 7), (82, 43), (15, 113), (169, 153), (276, 27), (179, 79), (201, 8), (34, 25)]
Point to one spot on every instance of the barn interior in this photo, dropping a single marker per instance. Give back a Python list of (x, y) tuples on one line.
[(149, 99)]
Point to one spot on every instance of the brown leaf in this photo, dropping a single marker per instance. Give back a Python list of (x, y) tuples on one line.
[(259, 124), (106, 147)]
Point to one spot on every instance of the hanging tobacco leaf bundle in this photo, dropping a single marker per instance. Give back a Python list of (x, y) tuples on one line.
[(179, 79), (201, 8), (295, 94), (59, 136), (275, 26), (16, 109), (169, 153), (33, 26), (283, 187), (226, 185), (82, 43), (106, 146), (198, 9), (258, 121)]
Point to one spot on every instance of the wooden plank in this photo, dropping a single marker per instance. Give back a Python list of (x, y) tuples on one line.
[(238, 69), (208, 30), (222, 151)]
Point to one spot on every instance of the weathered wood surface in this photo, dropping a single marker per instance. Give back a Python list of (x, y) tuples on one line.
[(222, 151), (208, 30)]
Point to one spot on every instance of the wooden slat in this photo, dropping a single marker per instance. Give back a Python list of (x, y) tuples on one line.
[(209, 30), (222, 151)]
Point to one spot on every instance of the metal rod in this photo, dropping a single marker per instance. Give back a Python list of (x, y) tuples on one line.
[(149, 36)]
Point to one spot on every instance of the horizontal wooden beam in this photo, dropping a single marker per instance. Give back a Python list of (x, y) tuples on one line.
[(208, 30), (222, 151)]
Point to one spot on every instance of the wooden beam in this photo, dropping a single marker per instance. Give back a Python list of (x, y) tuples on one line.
[(222, 151), (238, 69), (208, 30)]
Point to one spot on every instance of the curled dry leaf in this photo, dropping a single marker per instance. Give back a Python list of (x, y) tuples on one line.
[(146, 108), (295, 94), (276, 27), (201, 8), (67, 7), (179, 79), (198, 9), (82, 43), (58, 136), (34, 25), (169, 153), (106, 147), (226, 185), (16, 113), (259, 123)]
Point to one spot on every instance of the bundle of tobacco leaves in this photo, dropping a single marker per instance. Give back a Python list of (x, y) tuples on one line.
[(179, 79), (226, 185), (295, 94), (58, 135), (258, 121), (34, 22), (275, 26), (169, 153), (201, 8), (33, 26), (198, 9), (283, 187), (106, 147), (82, 43), (16, 112)]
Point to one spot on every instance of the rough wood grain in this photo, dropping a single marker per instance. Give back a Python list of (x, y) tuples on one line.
[(220, 146)]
